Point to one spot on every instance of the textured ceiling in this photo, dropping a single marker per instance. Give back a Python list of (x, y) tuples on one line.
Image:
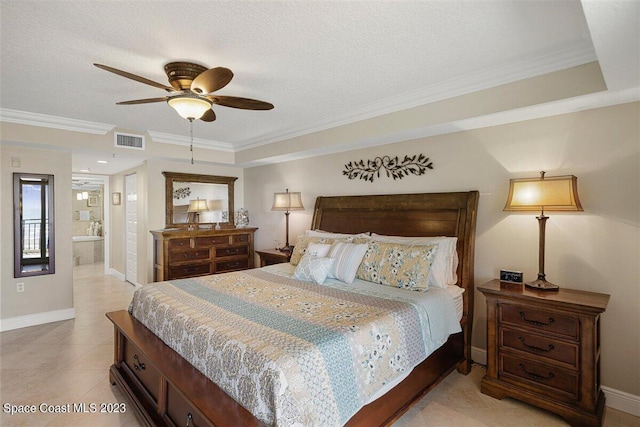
[(319, 62)]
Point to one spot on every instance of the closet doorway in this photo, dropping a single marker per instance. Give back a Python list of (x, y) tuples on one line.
[(131, 229)]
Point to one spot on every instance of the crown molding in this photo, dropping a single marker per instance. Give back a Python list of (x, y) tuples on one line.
[(554, 108), (544, 62), (167, 138), (43, 120)]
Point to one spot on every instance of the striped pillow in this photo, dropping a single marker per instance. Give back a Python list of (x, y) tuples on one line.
[(347, 260)]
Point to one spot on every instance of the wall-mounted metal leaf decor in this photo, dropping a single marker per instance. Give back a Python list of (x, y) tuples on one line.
[(393, 166), (181, 193)]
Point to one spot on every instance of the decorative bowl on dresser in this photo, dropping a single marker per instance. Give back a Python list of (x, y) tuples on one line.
[(543, 348), (182, 253)]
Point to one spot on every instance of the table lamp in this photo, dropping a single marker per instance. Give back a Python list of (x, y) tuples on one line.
[(558, 193), (287, 202), (195, 207)]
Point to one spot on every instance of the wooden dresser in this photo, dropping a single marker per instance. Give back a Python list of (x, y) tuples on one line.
[(543, 347), (181, 253)]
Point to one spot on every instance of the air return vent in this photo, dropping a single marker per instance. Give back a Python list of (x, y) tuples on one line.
[(124, 140)]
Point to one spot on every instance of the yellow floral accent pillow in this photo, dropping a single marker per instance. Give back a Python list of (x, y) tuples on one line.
[(303, 241), (400, 266)]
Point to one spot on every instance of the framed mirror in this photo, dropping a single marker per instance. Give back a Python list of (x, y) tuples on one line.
[(33, 225), (194, 200)]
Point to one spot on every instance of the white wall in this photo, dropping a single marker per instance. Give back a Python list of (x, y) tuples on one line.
[(50, 293), (597, 250)]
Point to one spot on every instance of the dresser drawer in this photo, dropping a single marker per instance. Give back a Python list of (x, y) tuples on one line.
[(139, 365), (232, 251), (208, 241), (189, 270), (238, 264), (179, 243), (241, 238), (547, 379), (540, 320), (540, 346), (182, 413), (188, 255)]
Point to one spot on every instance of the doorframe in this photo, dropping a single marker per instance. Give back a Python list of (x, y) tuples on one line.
[(106, 216)]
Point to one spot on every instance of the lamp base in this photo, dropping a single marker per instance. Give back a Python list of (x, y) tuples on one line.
[(542, 285)]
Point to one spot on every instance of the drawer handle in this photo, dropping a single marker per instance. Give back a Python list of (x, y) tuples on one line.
[(189, 256), (189, 270), (536, 349), (137, 365), (534, 322), (189, 419), (536, 376), (233, 264), (232, 251)]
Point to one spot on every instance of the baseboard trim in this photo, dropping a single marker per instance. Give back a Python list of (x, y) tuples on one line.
[(622, 401), (115, 273), (616, 399), (479, 355), (18, 322)]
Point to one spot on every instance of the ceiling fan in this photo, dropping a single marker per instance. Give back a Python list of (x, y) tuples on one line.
[(191, 90)]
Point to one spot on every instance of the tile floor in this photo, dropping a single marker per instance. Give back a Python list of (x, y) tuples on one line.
[(67, 362)]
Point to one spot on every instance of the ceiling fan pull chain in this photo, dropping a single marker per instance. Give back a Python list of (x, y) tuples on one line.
[(191, 132)]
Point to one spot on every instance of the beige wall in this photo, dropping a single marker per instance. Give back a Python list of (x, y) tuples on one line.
[(597, 250), (48, 292)]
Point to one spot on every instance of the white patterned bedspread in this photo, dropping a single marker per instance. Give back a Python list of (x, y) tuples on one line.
[(295, 353)]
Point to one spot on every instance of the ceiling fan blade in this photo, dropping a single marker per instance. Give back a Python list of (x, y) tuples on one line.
[(208, 116), (211, 80), (134, 77), (143, 101), (242, 103)]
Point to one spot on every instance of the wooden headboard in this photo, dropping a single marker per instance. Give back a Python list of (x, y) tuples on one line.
[(424, 214)]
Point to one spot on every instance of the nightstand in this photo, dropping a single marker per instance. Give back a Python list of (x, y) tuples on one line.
[(273, 256), (543, 348)]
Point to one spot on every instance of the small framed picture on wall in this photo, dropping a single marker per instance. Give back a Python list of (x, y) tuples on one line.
[(115, 198)]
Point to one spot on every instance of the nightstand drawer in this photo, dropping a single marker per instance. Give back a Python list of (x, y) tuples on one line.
[(547, 379), (540, 320), (188, 255), (540, 346)]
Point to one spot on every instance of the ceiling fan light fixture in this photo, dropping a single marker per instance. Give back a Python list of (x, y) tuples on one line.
[(189, 107)]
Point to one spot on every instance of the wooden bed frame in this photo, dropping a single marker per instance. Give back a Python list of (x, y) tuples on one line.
[(166, 390)]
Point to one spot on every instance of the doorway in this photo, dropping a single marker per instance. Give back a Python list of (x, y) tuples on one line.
[(91, 220)]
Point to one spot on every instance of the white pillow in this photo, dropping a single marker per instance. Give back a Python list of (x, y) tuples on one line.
[(445, 265), (347, 260), (313, 269), (318, 250)]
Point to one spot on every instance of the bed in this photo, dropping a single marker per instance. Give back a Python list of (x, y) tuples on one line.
[(165, 389)]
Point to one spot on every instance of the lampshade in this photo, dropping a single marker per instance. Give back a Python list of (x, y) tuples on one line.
[(558, 193), (198, 206), (189, 107), (287, 202), (215, 205)]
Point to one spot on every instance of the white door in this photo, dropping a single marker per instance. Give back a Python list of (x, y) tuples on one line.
[(131, 238)]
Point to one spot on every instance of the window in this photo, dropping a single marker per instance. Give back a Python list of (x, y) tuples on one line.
[(33, 225)]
